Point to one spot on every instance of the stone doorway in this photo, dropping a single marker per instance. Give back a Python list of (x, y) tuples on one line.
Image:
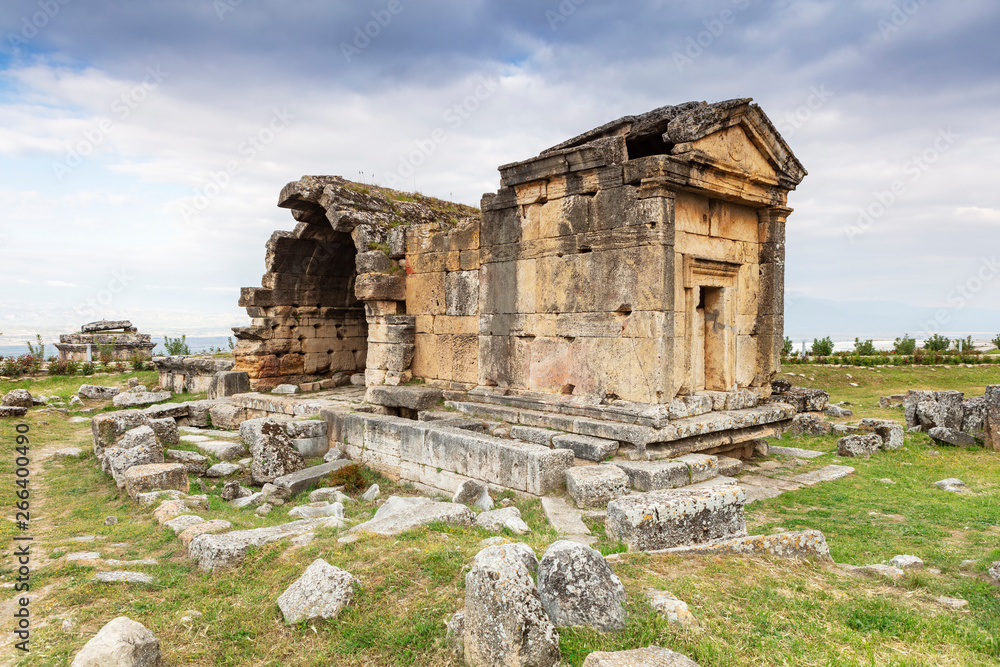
[(711, 311)]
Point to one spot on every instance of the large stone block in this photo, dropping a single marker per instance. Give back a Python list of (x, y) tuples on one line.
[(320, 593), (120, 642), (595, 486), (991, 432), (462, 293), (301, 480), (655, 475), (664, 519), (578, 588), (144, 478), (505, 622), (650, 656), (586, 447), (859, 445), (228, 383)]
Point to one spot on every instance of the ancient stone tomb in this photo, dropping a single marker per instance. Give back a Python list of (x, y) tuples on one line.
[(632, 274), (117, 340)]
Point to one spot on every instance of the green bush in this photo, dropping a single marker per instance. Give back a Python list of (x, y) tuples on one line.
[(905, 345), (996, 341), (87, 368), (822, 348), (786, 348), (967, 344), (176, 346), (937, 343), (864, 348)]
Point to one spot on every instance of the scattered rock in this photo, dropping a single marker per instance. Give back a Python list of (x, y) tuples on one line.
[(18, 398), (505, 622), (166, 430), (223, 470), (285, 389), (994, 572), (991, 420), (209, 527), (131, 399), (142, 478), (508, 518), (334, 455), (272, 450), (399, 514), (859, 445), (169, 509), (120, 642), (887, 571), (110, 521), (95, 392), (473, 492), (83, 555), (190, 615), (664, 519), (907, 562), (194, 463), (952, 484), (371, 494), (809, 424), (953, 603), (651, 656), (950, 436), (233, 490), (318, 509), (182, 522), (121, 576), (253, 500), (891, 432), (68, 452), (300, 480), (885, 480), (675, 610), (837, 412), (455, 632), (213, 551), (321, 592), (578, 588), (264, 509)]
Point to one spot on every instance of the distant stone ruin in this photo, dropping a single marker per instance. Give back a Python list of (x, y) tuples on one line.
[(118, 338), (633, 274)]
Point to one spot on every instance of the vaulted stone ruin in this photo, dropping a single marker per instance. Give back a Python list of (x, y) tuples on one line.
[(626, 284)]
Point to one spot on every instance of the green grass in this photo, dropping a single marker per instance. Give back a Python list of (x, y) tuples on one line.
[(750, 610)]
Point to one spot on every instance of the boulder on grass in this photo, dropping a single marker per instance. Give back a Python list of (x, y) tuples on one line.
[(321, 592), (950, 436), (651, 656), (505, 622), (144, 478), (859, 445), (121, 642), (18, 398), (578, 588)]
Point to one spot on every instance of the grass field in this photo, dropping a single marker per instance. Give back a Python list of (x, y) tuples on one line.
[(750, 611)]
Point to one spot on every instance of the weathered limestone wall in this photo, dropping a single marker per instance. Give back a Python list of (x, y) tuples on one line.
[(576, 287), (442, 293), (189, 374), (306, 319)]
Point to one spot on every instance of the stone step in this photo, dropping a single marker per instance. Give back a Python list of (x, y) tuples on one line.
[(567, 520)]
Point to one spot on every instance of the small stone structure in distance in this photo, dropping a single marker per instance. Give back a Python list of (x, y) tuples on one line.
[(119, 338), (628, 283)]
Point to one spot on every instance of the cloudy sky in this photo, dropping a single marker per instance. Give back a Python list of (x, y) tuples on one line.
[(142, 145)]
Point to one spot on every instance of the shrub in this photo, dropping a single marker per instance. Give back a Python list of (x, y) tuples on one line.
[(996, 341), (60, 367), (822, 348), (937, 343), (138, 361), (87, 368), (37, 351), (349, 477), (786, 348), (966, 343), (176, 346), (864, 348), (905, 345)]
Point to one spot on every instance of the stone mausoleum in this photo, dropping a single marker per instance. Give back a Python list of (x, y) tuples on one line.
[(631, 276), (117, 339)]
